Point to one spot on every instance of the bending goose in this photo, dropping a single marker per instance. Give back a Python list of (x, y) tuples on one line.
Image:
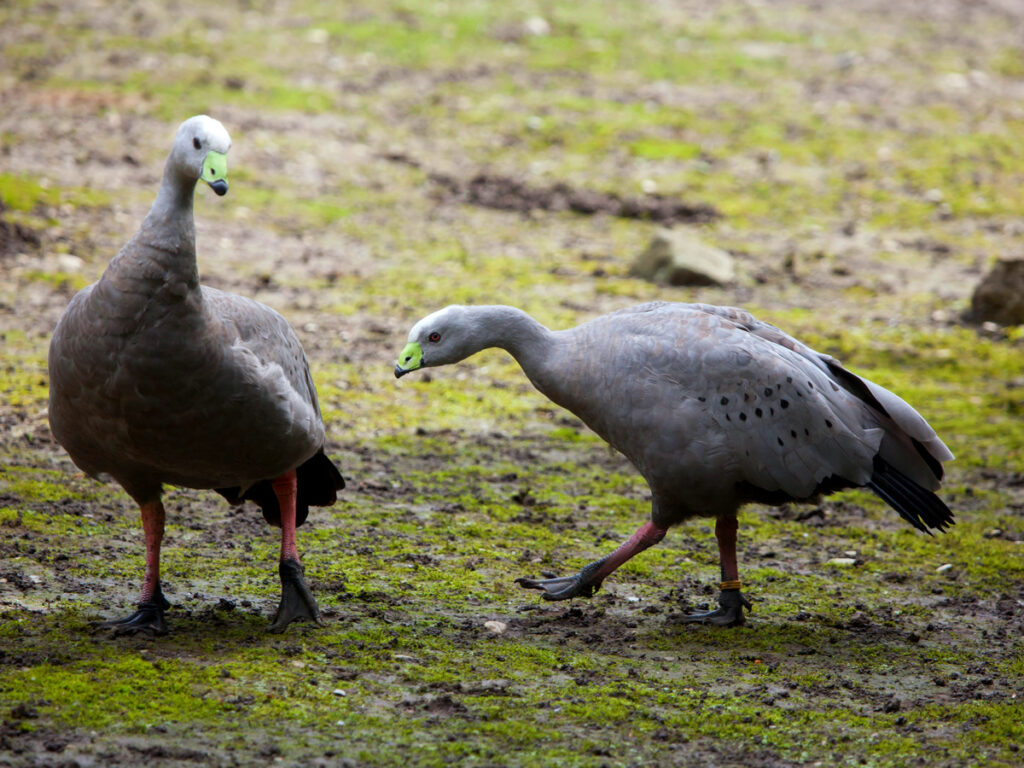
[(715, 409), (155, 379)]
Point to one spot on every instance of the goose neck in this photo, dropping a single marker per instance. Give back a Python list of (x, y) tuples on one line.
[(516, 332), (169, 225)]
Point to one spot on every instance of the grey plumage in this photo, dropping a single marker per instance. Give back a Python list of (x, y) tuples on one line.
[(205, 395), (155, 379), (713, 407)]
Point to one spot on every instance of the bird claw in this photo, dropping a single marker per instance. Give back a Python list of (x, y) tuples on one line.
[(561, 588), (297, 602), (728, 614)]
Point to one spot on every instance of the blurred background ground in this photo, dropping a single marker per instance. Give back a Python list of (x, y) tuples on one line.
[(863, 165)]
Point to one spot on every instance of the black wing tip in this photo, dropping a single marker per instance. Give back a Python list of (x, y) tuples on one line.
[(322, 479), (915, 504), (933, 464)]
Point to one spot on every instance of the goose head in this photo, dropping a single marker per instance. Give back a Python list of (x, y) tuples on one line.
[(200, 152), (446, 336)]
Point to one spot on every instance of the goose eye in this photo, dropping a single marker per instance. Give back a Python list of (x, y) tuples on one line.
[(197, 144), (434, 337)]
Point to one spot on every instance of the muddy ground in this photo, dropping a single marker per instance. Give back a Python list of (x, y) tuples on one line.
[(863, 165)]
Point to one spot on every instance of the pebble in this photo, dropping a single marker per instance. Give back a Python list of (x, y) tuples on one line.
[(841, 561), (944, 568), (69, 263), (537, 26), (497, 627)]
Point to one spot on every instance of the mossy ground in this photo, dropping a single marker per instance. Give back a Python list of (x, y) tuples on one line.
[(867, 160)]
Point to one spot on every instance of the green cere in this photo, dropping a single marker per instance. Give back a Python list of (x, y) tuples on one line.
[(215, 168), (411, 357)]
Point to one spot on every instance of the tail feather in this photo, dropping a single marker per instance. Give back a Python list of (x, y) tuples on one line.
[(915, 504), (318, 483)]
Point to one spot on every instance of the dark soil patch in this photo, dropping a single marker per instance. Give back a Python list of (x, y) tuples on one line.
[(15, 237), (504, 193), (508, 194)]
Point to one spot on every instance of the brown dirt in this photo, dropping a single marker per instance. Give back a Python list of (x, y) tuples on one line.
[(505, 194)]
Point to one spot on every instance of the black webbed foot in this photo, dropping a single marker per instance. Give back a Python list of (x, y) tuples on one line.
[(297, 601), (148, 619), (729, 613), (559, 588), (565, 587)]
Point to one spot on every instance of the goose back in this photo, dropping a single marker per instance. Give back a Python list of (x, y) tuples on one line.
[(716, 408)]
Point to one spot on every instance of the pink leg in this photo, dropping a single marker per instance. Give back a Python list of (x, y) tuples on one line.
[(286, 490), (588, 580), (725, 532), (731, 601), (646, 536), (296, 600), (153, 528), (149, 617)]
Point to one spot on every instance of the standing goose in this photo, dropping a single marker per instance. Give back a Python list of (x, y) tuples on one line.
[(155, 379), (715, 409)]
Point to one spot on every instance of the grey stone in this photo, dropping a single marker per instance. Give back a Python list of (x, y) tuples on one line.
[(999, 297), (679, 257)]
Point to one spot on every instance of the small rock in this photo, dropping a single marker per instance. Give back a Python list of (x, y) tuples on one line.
[(339, 692), (999, 297), (944, 568), (764, 51), (537, 26), (69, 263), (497, 627), (953, 81), (843, 561), (24, 711), (845, 60), (678, 257)]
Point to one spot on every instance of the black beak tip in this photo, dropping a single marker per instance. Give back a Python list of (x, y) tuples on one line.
[(219, 186), (400, 371)]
